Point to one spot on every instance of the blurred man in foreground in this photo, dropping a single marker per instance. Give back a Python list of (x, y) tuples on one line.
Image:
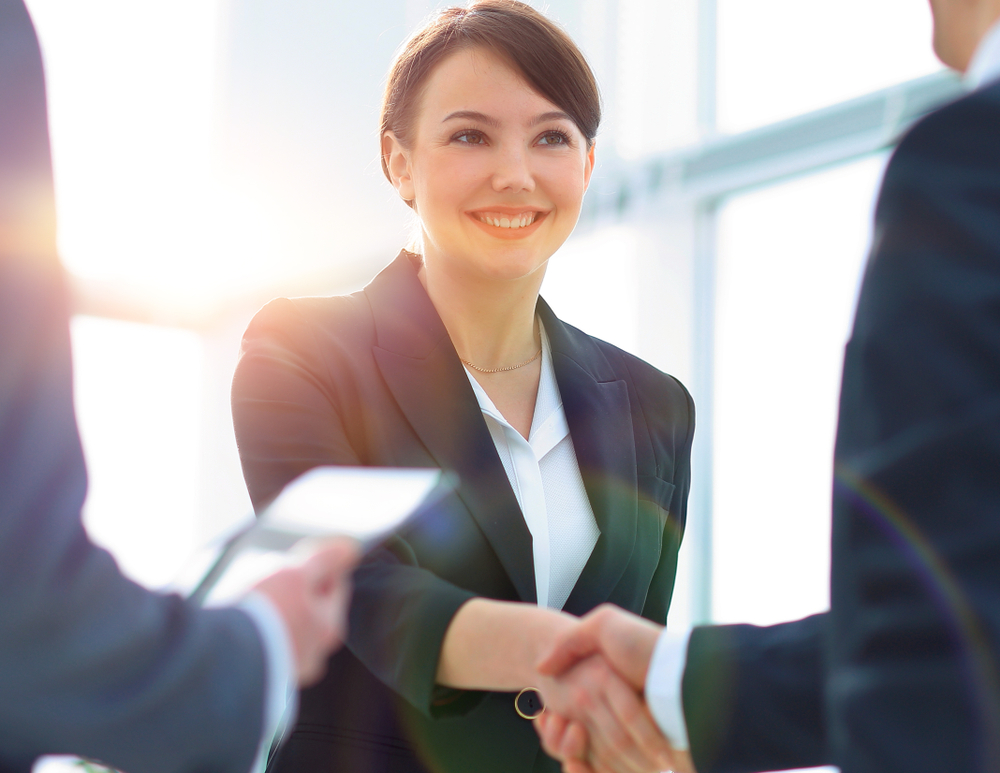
[(902, 673), (91, 663)]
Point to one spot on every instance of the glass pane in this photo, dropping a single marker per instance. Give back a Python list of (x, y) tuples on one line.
[(778, 58), (130, 88), (790, 257), (138, 391)]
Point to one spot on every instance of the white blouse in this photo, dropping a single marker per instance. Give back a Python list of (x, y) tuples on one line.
[(545, 476)]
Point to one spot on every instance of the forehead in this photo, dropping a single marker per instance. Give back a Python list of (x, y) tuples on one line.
[(478, 80)]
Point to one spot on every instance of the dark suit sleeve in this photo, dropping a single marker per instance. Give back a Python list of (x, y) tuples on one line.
[(90, 663), (916, 562), (288, 419), (676, 441), (753, 697)]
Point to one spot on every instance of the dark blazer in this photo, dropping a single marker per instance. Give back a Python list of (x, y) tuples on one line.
[(373, 379), (902, 673), (90, 663)]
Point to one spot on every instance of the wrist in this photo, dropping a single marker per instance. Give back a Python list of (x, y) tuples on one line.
[(496, 645)]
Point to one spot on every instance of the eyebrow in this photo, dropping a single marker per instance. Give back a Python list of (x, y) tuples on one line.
[(473, 115)]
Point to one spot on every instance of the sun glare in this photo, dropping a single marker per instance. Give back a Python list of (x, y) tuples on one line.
[(132, 90)]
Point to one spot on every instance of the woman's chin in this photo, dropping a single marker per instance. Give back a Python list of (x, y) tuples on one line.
[(507, 267), (489, 261)]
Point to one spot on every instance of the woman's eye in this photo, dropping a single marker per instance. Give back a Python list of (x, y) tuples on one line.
[(553, 138), (469, 138)]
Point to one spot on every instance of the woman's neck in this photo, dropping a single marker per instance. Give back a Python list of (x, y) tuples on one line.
[(490, 322)]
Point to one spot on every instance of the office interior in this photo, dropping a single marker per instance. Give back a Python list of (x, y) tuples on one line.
[(212, 154)]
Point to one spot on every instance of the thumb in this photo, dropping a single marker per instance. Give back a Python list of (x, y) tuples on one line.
[(325, 569), (579, 642)]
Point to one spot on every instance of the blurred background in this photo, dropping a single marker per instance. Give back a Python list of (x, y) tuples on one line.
[(212, 154)]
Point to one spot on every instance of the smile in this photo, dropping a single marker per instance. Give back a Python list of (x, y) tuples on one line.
[(500, 220)]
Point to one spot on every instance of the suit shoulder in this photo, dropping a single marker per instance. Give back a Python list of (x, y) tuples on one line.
[(940, 189), (959, 132), (659, 393), (646, 378), (643, 374), (298, 322)]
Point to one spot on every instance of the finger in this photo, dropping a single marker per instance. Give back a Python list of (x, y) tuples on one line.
[(633, 714), (334, 608), (575, 743), (612, 742), (612, 750), (574, 750), (551, 728), (327, 566), (577, 766), (683, 762)]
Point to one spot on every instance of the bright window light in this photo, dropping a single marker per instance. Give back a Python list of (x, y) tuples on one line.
[(790, 260), (778, 58), (132, 90), (138, 391)]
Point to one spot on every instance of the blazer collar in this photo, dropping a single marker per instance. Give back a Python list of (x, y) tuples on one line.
[(427, 380), (598, 411), (422, 370)]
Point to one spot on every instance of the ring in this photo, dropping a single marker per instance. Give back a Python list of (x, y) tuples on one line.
[(528, 703)]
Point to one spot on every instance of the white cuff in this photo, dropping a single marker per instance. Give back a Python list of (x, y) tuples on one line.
[(281, 697), (663, 686)]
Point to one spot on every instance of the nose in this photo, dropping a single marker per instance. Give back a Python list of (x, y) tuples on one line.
[(513, 172)]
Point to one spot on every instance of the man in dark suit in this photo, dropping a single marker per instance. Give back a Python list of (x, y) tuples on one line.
[(91, 663), (902, 673)]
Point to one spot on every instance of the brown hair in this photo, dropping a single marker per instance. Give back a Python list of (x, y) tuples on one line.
[(534, 46)]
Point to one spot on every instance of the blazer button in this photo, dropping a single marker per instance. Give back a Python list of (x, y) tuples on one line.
[(529, 704)]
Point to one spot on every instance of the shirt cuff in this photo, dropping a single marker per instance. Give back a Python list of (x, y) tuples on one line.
[(663, 686), (281, 696)]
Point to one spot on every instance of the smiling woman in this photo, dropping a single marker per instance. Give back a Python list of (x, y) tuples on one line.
[(495, 171), (573, 455)]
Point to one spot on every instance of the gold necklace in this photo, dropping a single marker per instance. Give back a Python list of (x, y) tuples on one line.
[(533, 357)]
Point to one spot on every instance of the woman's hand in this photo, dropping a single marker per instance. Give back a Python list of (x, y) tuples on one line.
[(596, 721)]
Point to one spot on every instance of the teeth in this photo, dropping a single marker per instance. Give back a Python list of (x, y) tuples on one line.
[(517, 221)]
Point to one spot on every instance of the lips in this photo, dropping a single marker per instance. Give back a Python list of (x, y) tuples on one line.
[(506, 220)]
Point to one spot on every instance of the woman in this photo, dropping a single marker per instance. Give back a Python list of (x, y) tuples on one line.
[(573, 456)]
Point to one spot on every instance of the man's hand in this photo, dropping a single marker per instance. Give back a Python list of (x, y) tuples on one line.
[(626, 642), (312, 599)]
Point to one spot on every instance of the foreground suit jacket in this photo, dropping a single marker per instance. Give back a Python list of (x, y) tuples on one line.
[(90, 663), (373, 379), (902, 674)]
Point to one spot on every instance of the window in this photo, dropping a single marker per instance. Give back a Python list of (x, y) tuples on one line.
[(138, 391), (780, 58), (789, 261)]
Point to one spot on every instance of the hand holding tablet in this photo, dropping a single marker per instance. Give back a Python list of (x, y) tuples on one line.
[(363, 503)]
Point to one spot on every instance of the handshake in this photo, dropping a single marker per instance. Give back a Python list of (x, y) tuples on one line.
[(591, 675), (596, 719)]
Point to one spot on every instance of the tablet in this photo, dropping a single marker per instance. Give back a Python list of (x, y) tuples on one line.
[(363, 503)]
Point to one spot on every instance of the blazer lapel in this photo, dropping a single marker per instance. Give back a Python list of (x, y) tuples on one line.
[(427, 380), (599, 415)]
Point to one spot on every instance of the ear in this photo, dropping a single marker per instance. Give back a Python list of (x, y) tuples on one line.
[(397, 161), (588, 168)]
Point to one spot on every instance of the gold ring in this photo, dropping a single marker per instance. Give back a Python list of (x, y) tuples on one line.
[(534, 698)]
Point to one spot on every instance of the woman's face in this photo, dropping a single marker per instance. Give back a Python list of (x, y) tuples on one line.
[(496, 172)]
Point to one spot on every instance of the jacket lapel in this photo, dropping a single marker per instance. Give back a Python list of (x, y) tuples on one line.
[(427, 380), (599, 415)]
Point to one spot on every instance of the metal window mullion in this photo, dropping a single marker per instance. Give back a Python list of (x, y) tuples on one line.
[(700, 525)]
